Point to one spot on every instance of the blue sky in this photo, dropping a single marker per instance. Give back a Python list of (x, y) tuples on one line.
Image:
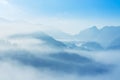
[(63, 14), (76, 8)]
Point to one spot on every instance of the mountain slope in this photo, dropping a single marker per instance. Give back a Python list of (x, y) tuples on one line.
[(103, 36), (88, 34), (108, 34), (40, 36), (91, 46), (115, 44)]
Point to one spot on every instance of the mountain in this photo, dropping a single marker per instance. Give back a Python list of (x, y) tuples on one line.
[(87, 46), (115, 44), (108, 34), (88, 34), (102, 36), (91, 46), (41, 37)]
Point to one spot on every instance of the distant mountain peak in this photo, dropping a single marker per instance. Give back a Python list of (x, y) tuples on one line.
[(110, 27), (93, 27)]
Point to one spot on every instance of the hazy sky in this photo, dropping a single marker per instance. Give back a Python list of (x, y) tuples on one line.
[(68, 15)]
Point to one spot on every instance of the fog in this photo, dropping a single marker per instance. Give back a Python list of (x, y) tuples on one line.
[(12, 70), (24, 59)]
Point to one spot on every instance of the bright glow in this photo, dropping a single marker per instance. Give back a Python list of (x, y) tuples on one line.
[(4, 2)]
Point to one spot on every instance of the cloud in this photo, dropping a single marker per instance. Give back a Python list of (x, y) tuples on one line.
[(13, 69)]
